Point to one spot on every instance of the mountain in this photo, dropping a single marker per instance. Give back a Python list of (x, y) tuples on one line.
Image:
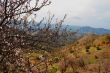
[(80, 29), (87, 29), (98, 31)]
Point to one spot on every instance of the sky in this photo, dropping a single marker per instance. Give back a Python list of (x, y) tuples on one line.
[(94, 13)]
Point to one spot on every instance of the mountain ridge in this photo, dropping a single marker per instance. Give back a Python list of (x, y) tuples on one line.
[(88, 29)]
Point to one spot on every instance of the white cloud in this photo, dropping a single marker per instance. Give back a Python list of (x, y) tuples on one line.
[(82, 12)]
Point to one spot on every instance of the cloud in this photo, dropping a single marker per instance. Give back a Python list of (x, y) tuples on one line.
[(97, 15), (81, 12)]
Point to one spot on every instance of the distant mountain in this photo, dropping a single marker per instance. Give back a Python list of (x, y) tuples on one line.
[(80, 29), (87, 29)]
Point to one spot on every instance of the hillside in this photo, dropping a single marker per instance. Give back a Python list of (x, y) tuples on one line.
[(89, 54), (93, 52)]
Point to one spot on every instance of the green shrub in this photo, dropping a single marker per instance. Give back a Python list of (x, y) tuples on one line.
[(55, 59), (54, 68)]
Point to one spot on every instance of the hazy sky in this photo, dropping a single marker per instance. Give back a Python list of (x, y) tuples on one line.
[(95, 13)]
